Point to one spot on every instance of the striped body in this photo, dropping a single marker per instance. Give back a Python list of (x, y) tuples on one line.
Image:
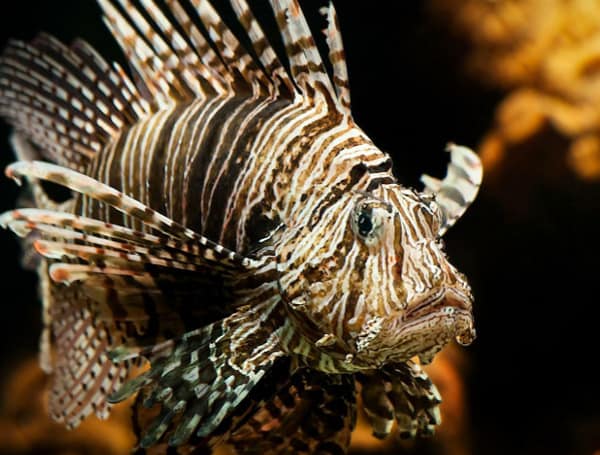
[(234, 169), (232, 226)]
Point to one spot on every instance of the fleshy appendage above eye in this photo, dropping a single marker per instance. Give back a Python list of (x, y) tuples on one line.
[(431, 213), (368, 219)]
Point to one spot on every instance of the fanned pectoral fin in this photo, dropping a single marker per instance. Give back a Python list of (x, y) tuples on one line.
[(82, 373), (402, 393), (117, 266), (457, 191), (199, 379), (108, 285), (204, 250)]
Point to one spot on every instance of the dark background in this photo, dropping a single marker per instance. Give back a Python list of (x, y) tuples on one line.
[(530, 251)]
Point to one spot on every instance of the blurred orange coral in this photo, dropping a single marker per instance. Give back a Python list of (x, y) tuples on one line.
[(26, 428), (518, 42), (548, 53)]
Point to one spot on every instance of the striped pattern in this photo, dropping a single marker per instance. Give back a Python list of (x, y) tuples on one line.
[(460, 186), (401, 393), (86, 374), (311, 413), (228, 215), (67, 100)]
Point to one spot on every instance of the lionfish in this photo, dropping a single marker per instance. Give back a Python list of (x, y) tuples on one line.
[(235, 252)]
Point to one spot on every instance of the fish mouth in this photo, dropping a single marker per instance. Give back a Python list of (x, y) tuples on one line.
[(424, 328), (452, 303), (444, 298)]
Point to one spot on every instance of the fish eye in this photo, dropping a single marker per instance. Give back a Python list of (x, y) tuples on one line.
[(365, 224), (368, 219)]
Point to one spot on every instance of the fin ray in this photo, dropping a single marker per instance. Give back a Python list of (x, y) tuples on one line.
[(204, 367), (66, 100), (305, 60), (266, 55), (230, 49), (212, 252), (337, 59), (312, 412), (83, 375), (457, 191)]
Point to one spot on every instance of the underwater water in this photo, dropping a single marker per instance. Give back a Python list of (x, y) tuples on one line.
[(529, 245)]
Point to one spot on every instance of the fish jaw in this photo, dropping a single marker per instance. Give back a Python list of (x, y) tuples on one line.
[(422, 330)]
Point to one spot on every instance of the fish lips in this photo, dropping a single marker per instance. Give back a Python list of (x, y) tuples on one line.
[(451, 308), (423, 329)]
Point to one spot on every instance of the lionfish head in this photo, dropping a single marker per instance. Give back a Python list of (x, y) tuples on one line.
[(415, 300), (373, 283)]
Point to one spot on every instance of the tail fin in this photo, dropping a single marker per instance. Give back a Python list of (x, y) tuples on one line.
[(66, 101)]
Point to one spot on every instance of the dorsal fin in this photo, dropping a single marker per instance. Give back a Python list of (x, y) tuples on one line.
[(305, 60), (337, 58), (185, 57), (67, 101), (231, 50), (158, 60), (165, 60), (125, 99), (266, 55), (150, 69), (160, 53), (70, 102), (183, 84), (203, 49)]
